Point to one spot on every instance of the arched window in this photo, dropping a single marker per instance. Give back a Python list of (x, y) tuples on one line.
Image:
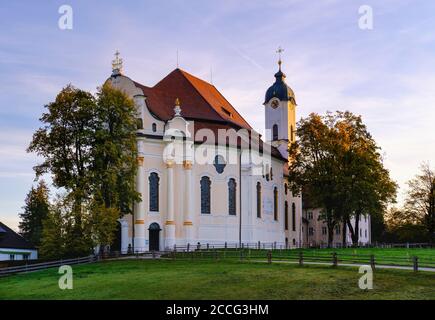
[(286, 215), (293, 216), (275, 204), (275, 132), (154, 191), (271, 173), (154, 127), (285, 188), (205, 195), (232, 197), (258, 200)]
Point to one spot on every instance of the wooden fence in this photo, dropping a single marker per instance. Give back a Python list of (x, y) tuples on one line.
[(300, 257), (45, 265)]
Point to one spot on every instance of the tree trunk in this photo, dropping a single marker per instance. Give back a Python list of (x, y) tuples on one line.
[(354, 232), (330, 224), (351, 230), (330, 235), (344, 231)]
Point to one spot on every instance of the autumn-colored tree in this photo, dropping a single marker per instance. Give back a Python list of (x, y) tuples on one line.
[(114, 165), (420, 201), (89, 146), (64, 142), (52, 241), (313, 167), (364, 184), (36, 209), (338, 162)]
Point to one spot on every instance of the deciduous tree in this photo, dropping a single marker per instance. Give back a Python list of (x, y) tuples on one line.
[(420, 201)]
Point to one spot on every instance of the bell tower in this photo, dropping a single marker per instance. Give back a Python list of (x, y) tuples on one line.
[(280, 112)]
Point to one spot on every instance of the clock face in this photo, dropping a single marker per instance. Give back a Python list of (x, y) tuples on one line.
[(274, 104)]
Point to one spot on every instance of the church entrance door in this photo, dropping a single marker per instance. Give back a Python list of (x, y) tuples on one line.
[(116, 245), (154, 236)]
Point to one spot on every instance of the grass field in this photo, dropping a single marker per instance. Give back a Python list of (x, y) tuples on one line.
[(391, 256), (394, 256), (181, 279)]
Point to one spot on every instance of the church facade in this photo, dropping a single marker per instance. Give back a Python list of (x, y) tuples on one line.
[(204, 174)]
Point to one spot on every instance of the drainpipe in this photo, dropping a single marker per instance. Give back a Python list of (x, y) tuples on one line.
[(132, 233), (240, 197)]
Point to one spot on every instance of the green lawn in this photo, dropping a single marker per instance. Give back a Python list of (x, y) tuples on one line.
[(390, 256), (168, 279)]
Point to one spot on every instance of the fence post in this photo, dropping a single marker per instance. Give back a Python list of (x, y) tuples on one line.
[(241, 255), (269, 256), (259, 245), (372, 262), (225, 244), (175, 247), (208, 246), (334, 259), (301, 258), (188, 247), (415, 262)]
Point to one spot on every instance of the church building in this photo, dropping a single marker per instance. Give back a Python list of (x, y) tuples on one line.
[(204, 174)]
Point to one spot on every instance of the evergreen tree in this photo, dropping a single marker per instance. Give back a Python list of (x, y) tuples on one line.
[(36, 209)]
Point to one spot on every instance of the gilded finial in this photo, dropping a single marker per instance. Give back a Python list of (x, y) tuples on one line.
[(279, 51), (117, 64), (177, 108)]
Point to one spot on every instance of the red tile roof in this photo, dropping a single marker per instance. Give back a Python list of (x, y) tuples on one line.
[(200, 101)]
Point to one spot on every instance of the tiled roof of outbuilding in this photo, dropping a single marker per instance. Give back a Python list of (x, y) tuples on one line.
[(12, 240)]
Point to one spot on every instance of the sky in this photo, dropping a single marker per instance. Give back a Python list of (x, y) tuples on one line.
[(385, 74)]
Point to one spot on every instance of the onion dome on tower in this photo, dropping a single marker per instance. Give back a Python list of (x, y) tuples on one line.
[(280, 89)]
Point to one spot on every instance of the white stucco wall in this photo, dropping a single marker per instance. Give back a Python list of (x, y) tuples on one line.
[(320, 239), (218, 226), (5, 254)]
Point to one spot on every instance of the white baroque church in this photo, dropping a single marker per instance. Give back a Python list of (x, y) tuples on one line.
[(205, 175)]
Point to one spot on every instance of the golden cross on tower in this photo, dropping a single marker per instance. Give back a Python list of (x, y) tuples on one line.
[(279, 51), (117, 64)]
